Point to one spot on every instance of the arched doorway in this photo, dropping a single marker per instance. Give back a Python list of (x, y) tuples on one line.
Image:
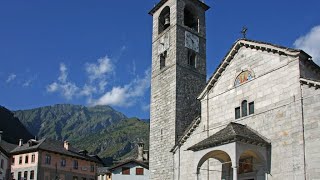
[(215, 165)]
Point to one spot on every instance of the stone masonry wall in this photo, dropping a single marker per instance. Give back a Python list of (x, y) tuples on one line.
[(311, 118), (275, 91), (173, 90)]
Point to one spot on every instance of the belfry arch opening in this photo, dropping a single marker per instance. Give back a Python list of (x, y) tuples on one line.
[(164, 19), (191, 19)]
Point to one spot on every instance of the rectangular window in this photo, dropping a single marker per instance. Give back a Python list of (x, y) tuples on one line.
[(48, 159), (12, 161), (125, 170), (237, 113), (75, 164), (92, 168), (33, 158), (25, 175), (19, 175), (163, 60), (26, 159), (139, 171), (31, 175), (1, 164), (20, 160), (63, 162), (251, 108)]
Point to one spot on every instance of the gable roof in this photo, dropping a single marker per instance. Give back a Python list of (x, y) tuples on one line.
[(141, 163), (248, 44), (158, 6), (232, 133), (54, 146), (6, 147)]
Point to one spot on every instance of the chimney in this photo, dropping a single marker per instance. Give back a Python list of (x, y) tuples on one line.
[(146, 155), (66, 145), (140, 151), (1, 132), (20, 142)]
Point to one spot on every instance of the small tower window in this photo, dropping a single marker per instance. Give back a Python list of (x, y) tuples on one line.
[(190, 19), (164, 19), (163, 58), (192, 57)]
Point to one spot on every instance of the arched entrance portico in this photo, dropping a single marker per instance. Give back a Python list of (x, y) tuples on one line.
[(215, 164), (241, 154)]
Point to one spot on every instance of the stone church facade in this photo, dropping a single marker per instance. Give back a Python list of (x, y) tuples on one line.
[(257, 117)]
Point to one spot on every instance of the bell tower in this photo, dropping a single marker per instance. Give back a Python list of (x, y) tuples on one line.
[(178, 76)]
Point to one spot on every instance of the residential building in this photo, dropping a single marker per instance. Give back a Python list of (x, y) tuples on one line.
[(257, 118), (5, 149), (104, 173), (48, 159), (133, 168), (130, 170)]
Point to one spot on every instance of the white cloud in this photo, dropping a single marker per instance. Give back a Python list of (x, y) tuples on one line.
[(310, 43), (63, 73), (11, 77), (27, 83), (66, 88), (127, 95), (53, 87), (88, 90), (100, 69)]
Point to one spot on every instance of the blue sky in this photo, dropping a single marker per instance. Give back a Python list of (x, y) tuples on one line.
[(99, 52)]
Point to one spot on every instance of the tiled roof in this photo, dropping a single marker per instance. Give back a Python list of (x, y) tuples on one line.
[(141, 163), (52, 146), (232, 133), (7, 147), (103, 170)]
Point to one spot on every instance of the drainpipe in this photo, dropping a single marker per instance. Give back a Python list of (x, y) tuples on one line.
[(303, 134)]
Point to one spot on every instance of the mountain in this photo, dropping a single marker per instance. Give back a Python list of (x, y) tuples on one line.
[(100, 129), (12, 128)]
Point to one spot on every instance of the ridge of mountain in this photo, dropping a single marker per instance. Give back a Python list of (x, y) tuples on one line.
[(100, 129), (12, 128)]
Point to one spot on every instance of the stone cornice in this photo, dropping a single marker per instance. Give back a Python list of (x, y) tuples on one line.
[(310, 83)]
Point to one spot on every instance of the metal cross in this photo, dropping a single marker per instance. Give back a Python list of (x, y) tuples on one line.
[(244, 32)]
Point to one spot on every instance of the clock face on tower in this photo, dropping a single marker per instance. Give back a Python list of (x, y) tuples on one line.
[(192, 41)]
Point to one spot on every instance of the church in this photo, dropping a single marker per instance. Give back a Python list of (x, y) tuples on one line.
[(256, 118)]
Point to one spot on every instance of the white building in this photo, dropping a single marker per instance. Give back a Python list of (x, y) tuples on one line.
[(130, 170), (258, 116)]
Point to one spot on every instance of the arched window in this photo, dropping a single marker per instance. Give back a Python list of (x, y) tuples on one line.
[(244, 108), (190, 19), (164, 19), (243, 77), (192, 57)]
